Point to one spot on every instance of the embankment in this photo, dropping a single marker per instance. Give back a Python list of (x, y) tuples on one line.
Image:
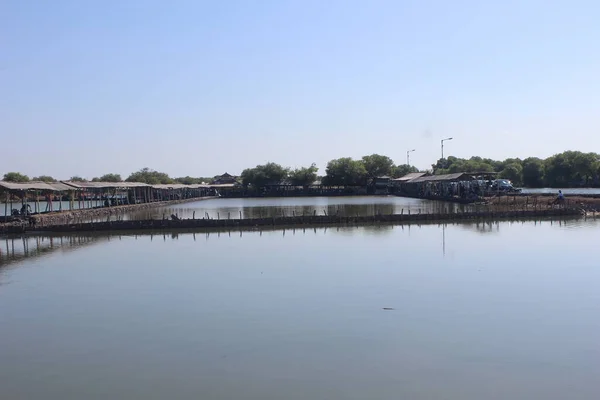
[(57, 218), (313, 220), (588, 203)]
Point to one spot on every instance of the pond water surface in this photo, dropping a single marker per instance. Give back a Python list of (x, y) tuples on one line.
[(289, 206), (488, 311)]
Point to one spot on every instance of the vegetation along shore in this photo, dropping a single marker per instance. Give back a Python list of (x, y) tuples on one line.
[(564, 170)]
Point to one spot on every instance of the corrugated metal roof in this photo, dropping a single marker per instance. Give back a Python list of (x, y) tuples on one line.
[(66, 185), (179, 186), (411, 176), (54, 186), (60, 187), (105, 185), (441, 178)]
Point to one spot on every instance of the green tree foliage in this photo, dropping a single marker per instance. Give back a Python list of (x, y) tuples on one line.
[(303, 176), (567, 169), (108, 178), (77, 179), (403, 169), (533, 172), (16, 177), (378, 165), (149, 176), (261, 175), (571, 168), (188, 180), (514, 172), (453, 165), (345, 172), (44, 178)]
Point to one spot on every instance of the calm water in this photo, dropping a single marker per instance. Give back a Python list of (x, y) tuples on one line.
[(497, 311), (289, 206), (271, 207), (571, 191)]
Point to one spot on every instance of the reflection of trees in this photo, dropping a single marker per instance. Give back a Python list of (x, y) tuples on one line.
[(384, 229), (485, 227)]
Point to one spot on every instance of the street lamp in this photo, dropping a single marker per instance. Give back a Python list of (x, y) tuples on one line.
[(408, 156), (442, 141)]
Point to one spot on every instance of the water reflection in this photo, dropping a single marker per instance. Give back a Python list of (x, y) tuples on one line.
[(297, 313), (15, 249), (298, 206)]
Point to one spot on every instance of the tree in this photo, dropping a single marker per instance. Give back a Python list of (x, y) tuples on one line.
[(513, 172), (378, 165), (77, 179), (303, 176), (404, 169), (442, 165), (149, 176), (187, 180), (453, 165), (533, 172), (558, 170), (262, 175), (44, 178), (108, 178), (345, 172), (15, 177), (584, 166)]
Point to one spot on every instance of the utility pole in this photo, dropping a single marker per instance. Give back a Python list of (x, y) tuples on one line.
[(408, 156), (442, 142)]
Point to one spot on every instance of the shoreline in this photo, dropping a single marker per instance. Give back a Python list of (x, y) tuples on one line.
[(295, 222), (284, 228), (68, 216)]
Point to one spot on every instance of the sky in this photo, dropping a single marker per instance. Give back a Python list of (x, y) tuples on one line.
[(198, 88)]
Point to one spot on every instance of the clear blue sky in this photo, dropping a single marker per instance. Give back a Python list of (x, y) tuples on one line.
[(199, 88)]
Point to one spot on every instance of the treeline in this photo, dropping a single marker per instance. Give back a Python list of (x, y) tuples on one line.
[(145, 175), (339, 172), (567, 169)]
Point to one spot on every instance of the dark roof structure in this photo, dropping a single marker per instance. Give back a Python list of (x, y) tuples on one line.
[(409, 177), (42, 186)]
